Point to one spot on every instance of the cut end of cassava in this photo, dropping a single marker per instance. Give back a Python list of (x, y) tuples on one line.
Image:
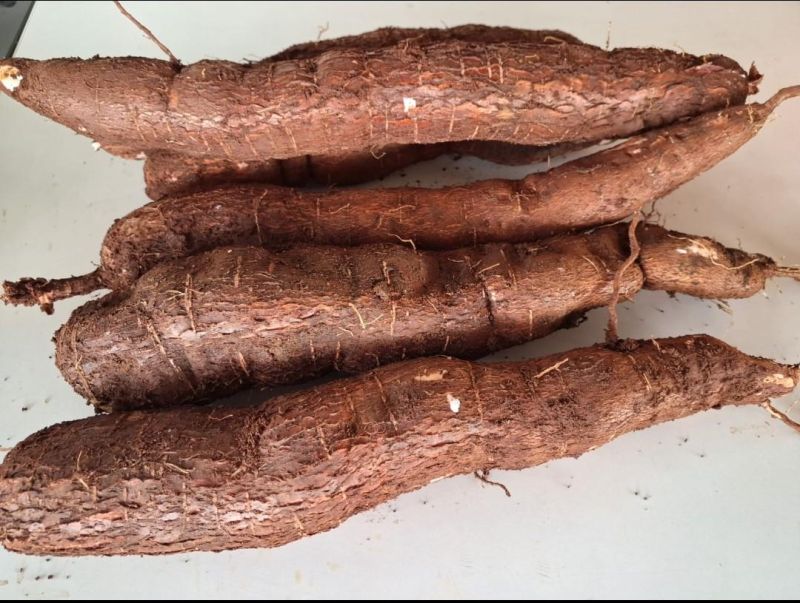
[(787, 380), (10, 76), (43, 292)]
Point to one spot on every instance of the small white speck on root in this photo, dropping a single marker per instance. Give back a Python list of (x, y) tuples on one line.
[(96, 146), (455, 403), (408, 104), (141, 155), (11, 77)]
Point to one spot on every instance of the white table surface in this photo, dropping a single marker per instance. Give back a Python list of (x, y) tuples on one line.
[(708, 506)]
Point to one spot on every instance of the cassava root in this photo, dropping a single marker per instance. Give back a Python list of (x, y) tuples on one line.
[(210, 479), (604, 187), (203, 326), (172, 173), (352, 99)]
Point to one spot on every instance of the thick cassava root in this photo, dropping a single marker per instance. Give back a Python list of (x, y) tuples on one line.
[(172, 173), (207, 325), (604, 187), (211, 479), (354, 99)]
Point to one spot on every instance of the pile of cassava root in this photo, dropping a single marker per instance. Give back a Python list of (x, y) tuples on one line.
[(230, 280)]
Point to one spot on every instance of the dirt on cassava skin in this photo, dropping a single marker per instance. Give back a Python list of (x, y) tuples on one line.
[(345, 100), (195, 479), (208, 325), (604, 187)]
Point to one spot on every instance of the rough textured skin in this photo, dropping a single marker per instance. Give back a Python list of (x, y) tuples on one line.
[(171, 173), (392, 36), (168, 174), (222, 478), (603, 187), (349, 100), (701, 267), (200, 327)]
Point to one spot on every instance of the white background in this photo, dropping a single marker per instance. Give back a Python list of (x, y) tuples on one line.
[(705, 507)]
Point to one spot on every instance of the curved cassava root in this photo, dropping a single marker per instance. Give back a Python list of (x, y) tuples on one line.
[(200, 327), (604, 187), (352, 99), (211, 479)]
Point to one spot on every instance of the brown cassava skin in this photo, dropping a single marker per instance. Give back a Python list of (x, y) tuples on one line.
[(392, 36), (210, 479), (208, 325), (604, 187), (171, 173), (348, 100), (168, 174)]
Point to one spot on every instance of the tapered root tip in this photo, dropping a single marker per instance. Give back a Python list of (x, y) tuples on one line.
[(43, 292), (792, 380), (788, 272), (782, 95)]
